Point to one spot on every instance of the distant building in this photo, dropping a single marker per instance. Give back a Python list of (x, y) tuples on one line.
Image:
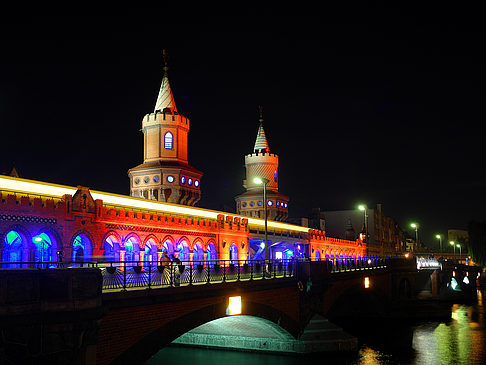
[(385, 238), (457, 235)]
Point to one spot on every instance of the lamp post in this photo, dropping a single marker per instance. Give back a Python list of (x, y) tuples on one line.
[(261, 180), (364, 209), (415, 226), (460, 251), (439, 237), (453, 245)]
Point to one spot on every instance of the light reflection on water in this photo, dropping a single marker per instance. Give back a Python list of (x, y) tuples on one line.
[(462, 340)]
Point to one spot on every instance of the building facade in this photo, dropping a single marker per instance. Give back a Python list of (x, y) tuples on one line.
[(385, 237)]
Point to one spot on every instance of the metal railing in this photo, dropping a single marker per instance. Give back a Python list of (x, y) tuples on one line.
[(366, 263), (123, 275)]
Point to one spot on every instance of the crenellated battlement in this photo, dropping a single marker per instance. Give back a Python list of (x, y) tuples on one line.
[(170, 118), (319, 237), (23, 203), (261, 157)]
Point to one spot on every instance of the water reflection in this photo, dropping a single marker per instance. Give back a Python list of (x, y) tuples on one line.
[(462, 340)]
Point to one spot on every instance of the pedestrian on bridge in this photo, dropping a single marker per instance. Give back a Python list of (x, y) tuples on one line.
[(166, 264), (176, 272)]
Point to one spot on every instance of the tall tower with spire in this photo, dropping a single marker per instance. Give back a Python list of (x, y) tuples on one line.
[(263, 164), (165, 174)]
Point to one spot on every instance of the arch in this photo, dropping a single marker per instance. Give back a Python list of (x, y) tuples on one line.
[(153, 239), (15, 247), (111, 246), (151, 252), (82, 248), (197, 252), (211, 254), (318, 255), (183, 249), (168, 141), (132, 248), (233, 254), (167, 332), (45, 247), (168, 246)]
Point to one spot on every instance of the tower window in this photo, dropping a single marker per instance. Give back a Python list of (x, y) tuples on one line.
[(275, 176), (168, 138)]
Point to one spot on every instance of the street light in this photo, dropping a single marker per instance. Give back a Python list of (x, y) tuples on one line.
[(262, 180), (460, 251), (453, 245), (364, 209), (439, 237), (415, 226)]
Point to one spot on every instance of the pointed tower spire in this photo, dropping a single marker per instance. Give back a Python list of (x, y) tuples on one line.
[(165, 98), (261, 144)]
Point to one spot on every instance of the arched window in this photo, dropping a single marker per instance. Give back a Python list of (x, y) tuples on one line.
[(168, 139), (318, 256)]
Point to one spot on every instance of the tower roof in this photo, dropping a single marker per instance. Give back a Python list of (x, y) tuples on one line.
[(165, 99), (261, 143)]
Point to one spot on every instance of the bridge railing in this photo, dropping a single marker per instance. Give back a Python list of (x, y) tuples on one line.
[(366, 263), (123, 275)]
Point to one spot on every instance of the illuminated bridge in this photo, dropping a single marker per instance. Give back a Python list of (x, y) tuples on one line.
[(114, 299)]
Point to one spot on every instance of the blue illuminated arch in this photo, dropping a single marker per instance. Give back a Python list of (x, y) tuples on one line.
[(168, 247), (197, 253), (132, 249), (43, 248), (82, 248), (112, 248), (183, 250), (13, 247), (233, 251), (318, 255), (211, 254), (151, 252)]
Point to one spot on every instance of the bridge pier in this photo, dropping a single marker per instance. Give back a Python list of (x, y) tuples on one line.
[(49, 316)]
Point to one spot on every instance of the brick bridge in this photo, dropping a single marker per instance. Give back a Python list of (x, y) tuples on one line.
[(65, 316)]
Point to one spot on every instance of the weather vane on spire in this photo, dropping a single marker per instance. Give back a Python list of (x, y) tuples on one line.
[(166, 60)]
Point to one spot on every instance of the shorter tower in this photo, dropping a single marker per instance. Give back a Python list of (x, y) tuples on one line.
[(165, 174), (264, 165)]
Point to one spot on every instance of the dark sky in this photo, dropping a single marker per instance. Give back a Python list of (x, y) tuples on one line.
[(386, 106)]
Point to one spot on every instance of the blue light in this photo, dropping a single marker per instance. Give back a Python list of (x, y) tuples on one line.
[(170, 178), (183, 179), (270, 203), (196, 183), (189, 181), (13, 247)]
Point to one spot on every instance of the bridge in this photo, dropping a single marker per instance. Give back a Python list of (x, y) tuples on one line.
[(83, 277), (77, 315)]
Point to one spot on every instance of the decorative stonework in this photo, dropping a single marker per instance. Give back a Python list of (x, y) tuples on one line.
[(27, 219)]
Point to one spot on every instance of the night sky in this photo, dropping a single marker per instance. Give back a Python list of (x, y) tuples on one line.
[(386, 106)]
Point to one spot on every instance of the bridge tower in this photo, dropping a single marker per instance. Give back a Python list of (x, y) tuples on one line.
[(263, 164), (165, 174)]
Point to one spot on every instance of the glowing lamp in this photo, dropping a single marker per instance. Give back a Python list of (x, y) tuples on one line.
[(367, 282), (234, 306), (37, 239)]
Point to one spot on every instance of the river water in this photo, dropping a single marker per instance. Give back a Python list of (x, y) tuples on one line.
[(460, 340)]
